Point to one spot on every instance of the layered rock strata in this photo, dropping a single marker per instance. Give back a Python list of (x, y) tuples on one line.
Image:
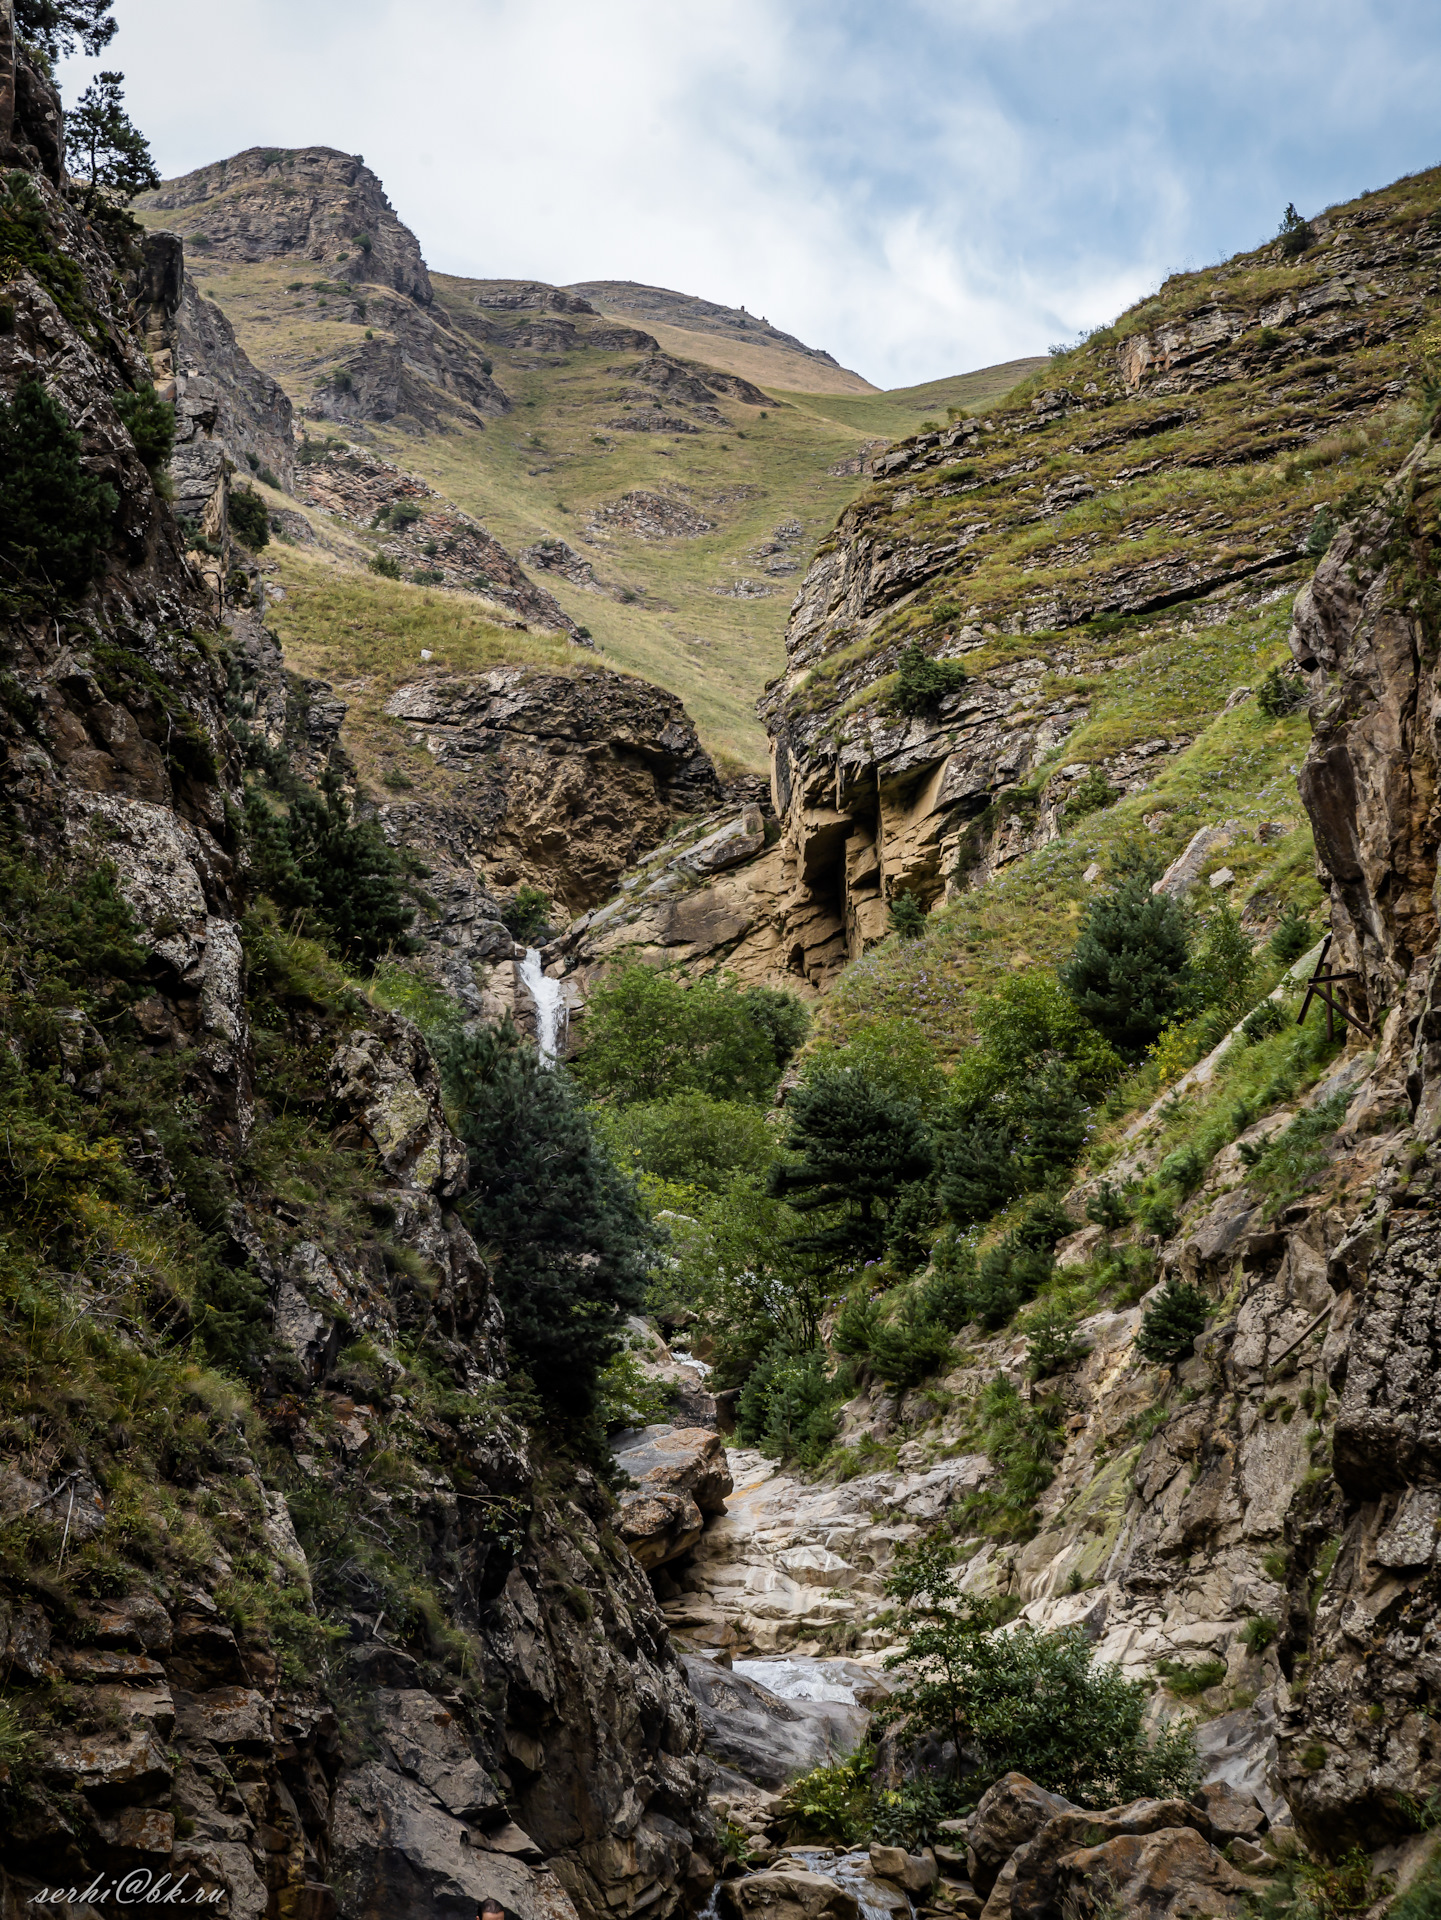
[(557, 1765)]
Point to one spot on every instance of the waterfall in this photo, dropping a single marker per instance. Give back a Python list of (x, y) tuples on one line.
[(550, 1013)]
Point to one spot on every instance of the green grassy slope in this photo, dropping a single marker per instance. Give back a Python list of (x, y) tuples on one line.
[(674, 610), (1213, 482)]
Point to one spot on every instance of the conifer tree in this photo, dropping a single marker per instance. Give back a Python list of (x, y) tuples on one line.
[(106, 148), (54, 517), (1169, 1328), (56, 27), (855, 1147), (1129, 974), (571, 1248)]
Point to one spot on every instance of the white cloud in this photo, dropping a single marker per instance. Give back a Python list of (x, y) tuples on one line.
[(919, 188)]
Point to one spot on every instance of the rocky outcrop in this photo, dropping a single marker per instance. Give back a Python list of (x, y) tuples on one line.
[(516, 1722), (765, 1737), (979, 534), (306, 203), (560, 780), (424, 534), (318, 207), (681, 1476)]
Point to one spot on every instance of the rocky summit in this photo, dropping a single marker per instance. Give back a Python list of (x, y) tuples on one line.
[(586, 1326)]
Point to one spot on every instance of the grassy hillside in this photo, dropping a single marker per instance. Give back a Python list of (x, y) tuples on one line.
[(700, 613), (1134, 531)]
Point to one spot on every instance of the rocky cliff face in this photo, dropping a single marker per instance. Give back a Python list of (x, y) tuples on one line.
[(1020, 546), (306, 203), (315, 207), (453, 1680)]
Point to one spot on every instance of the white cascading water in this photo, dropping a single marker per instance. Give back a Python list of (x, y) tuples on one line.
[(549, 1003)]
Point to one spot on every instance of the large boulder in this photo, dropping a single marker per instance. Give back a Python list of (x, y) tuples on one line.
[(1011, 1812), (787, 1894), (766, 1738), (1171, 1874), (1039, 1874), (682, 1475)]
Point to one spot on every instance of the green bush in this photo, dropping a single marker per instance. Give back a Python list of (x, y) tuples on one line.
[(150, 422), (1186, 1682), (690, 1139), (55, 520), (627, 1396), (1270, 1017), (1034, 1703), (1259, 1632), (1224, 966), (1280, 693), (337, 873), (648, 1037), (852, 1148), (830, 1803), (1157, 1214), (1052, 1341), (1169, 1327), (1130, 972), (1323, 531), (382, 564), (1089, 795), (1296, 234), (1107, 1208), (249, 518), (573, 1248), (923, 683), (526, 916), (787, 1407), (1294, 935), (907, 917), (1290, 1161)]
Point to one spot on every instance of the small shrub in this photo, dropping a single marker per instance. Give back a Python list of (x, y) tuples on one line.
[(1296, 234), (1259, 1632), (526, 915), (831, 1802), (1169, 1328), (1270, 1017), (249, 520), (382, 564), (1052, 1342), (150, 422), (1107, 1208), (1270, 337), (405, 513), (1279, 694), (922, 682), (397, 781), (1294, 935), (1323, 532), (1089, 795), (1186, 1681), (55, 520), (907, 917)]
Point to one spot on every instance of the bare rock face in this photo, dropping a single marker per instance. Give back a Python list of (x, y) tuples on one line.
[(683, 1475), (567, 777), (562, 1772), (768, 1739), (311, 202)]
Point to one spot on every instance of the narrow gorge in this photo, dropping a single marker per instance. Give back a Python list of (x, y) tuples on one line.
[(591, 1329)]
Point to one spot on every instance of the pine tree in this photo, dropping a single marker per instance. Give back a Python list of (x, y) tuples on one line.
[(1129, 974), (980, 1173), (315, 860), (55, 518), (55, 27), (855, 1148), (1169, 1328), (571, 1248), (106, 148)]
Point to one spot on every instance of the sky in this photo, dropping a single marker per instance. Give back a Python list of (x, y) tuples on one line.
[(918, 186)]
